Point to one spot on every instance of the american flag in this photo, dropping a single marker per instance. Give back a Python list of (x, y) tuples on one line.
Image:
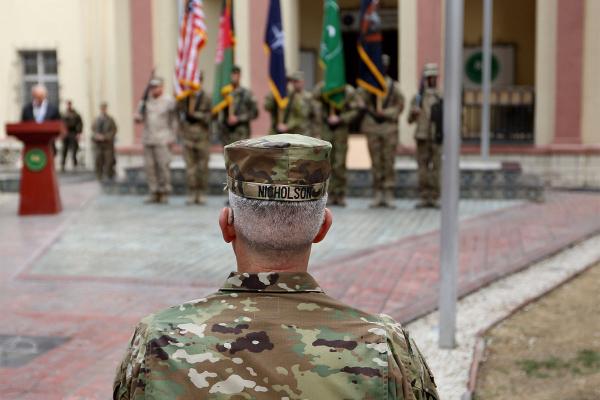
[(192, 38)]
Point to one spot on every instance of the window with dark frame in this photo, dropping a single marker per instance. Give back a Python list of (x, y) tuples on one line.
[(40, 67)]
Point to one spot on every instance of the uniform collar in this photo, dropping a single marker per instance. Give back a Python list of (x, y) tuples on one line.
[(281, 282)]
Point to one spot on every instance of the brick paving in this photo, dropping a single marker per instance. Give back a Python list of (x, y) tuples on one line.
[(93, 299)]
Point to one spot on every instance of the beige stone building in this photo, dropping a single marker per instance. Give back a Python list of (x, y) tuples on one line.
[(547, 90)]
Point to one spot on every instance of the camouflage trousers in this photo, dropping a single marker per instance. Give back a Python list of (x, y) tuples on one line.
[(156, 164), (196, 155), (339, 140), (382, 148), (104, 160), (240, 132), (429, 164)]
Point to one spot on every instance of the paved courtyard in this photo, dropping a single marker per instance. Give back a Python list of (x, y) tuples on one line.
[(72, 286)]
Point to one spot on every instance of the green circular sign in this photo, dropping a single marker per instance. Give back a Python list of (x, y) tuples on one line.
[(474, 67), (35, 160)]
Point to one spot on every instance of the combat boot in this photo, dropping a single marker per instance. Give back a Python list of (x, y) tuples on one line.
[(163, 198), (153, 198), (341, 201), (388, 199), (191, 199), (200, 199), (377, 199)]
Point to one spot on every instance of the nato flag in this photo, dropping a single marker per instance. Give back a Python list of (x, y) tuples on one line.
[(370, 68), (274, 46)]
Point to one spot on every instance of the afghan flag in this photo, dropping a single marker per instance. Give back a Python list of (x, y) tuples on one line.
[(274, 47), (332, 56), (224, 60), (370, 67)]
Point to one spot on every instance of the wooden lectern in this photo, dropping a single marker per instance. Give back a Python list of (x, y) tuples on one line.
[(39, 185)]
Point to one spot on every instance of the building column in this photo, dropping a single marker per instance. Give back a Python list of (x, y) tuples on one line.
[(141, 55), (569, 71), (591, 77), (258, 74), (290, 10), (545, 70), (408, 69), (429, 33)]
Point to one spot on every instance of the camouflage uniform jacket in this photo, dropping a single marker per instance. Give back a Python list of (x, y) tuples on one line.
[(244, 108), (349, 110), (271, 336), (73, 122), (195, 122), (106, 127), (425, 127), (392, 104), (299, 113), (159, 120)]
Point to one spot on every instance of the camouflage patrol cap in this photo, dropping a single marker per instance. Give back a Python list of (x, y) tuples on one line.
[(296, 76), (285, 167), (157, 81), (430, 69)]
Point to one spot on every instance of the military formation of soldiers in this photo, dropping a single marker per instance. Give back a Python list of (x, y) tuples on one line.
[(306, 113)]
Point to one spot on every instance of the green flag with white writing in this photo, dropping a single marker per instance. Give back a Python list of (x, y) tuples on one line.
[(332, 56)]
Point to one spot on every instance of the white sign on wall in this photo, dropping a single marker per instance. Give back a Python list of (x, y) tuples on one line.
[(503, 66)]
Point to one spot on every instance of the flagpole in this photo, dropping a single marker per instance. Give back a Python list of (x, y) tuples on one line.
[(449, 233)]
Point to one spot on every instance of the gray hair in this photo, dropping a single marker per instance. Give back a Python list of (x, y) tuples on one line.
[(277, 226)]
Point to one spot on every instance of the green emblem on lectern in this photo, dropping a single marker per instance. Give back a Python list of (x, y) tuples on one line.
[(474, 67), (35, 160)]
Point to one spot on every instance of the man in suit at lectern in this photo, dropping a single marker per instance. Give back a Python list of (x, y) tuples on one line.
[(40, 110)]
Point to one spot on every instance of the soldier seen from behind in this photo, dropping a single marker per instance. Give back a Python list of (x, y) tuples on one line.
[(380, 125), (270, 332), (158, 113), (234, 120), (428, 136), (195, 119), (298, 114), (70, 142), (104, 130)]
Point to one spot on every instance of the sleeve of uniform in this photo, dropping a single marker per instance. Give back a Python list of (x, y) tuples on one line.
[(203, 114), (392, 112), (250, 109), (351, 110), (410, 376), (269, 103), (79, 124), (129, 380), (112, 131)]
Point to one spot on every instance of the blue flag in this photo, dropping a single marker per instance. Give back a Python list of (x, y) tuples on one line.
[(370, 67), (274, 47)]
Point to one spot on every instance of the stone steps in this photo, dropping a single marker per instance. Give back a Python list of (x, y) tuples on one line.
[(478, 181)]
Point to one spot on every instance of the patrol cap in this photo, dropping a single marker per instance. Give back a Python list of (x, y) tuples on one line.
[(296, 76), (236, 69), (157, 81), (285, 167), (103, 104), (430, 69)]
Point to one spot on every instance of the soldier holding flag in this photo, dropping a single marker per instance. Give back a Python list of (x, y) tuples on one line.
[(381, 101), (337, 100)]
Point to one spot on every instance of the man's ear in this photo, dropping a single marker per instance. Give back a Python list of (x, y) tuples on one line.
[(226, 224), (327, 221)]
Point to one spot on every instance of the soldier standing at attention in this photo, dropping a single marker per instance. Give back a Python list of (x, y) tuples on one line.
[(271, 332), (158, 115), (298, 114), (380, 124), (74, 127), (104, 131), (334, 129), (195, 117), (428, 140), (235, 119)]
